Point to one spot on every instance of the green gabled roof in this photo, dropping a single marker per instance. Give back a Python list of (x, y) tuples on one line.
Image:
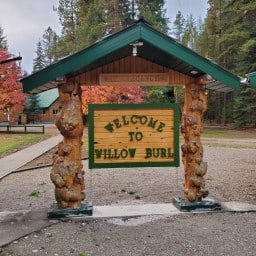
[(251, 79), (46, 98), (157, 47)]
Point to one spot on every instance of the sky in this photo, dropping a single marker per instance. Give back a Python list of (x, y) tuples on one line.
[(24, 22)]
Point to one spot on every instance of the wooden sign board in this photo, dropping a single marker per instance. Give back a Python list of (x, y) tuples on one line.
[(136, 79), (133, 135)]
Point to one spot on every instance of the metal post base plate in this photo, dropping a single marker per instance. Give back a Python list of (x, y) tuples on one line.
[(206, 204), (84, 210)]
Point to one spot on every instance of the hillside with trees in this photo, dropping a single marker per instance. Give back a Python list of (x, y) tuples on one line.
[(228, 38)]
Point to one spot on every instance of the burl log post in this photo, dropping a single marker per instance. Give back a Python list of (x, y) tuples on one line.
[(192, 151), (67, 174)]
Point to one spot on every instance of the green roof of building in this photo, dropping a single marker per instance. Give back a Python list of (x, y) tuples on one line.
[(46, 98)]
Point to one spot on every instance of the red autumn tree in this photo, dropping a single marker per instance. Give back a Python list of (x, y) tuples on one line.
[(11, 95), (111, 94)]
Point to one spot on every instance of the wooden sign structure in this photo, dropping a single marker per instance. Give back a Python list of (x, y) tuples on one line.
[(138, 79), (133, 135)]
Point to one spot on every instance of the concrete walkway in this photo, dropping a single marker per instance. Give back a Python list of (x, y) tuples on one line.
[(16, 160)]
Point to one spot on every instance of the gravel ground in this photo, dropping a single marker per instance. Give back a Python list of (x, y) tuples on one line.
[(231, 177), (223, 234)]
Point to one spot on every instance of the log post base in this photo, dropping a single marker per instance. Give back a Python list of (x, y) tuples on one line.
[(205, 204), (85, 209)]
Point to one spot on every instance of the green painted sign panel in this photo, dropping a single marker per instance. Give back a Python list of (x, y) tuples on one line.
[(133, 135)]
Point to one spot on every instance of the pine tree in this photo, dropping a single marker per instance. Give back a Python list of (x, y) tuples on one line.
[(92, 22), (229, 38), (160, 94), (86, 21), (231, 31), (245, 107), (154, 12), (245, 33), (178, 26), (68, 15), (118, 14), (190, 33), (39, 62), (208, 39), (49, 45), (32, 110), (202, 41)]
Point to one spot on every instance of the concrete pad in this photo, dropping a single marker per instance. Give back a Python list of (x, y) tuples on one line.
[(14, 225), (136, 221), (111, 211), (238, 206)]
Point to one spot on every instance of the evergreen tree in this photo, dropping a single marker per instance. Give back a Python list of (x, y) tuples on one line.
[(208, 39), (154, 12), (49, 45), (190, 33), (202, 41), (46, 50), (119, 14), (39, 62), (245, 34), (245, 107), (231, 31), (33, 104), (160, 94), (32, 110), (229, 38), (86, 21), (68, 15), (178, 26), (92, 22)]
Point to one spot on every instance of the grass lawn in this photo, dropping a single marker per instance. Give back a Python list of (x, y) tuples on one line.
[(13, 142), (229, 133)]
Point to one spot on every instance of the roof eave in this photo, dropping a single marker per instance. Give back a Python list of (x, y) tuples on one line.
[(80, 59), (189, 56), (138, 31)]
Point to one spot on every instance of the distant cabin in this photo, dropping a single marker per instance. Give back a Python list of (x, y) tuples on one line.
[(42, 107)]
